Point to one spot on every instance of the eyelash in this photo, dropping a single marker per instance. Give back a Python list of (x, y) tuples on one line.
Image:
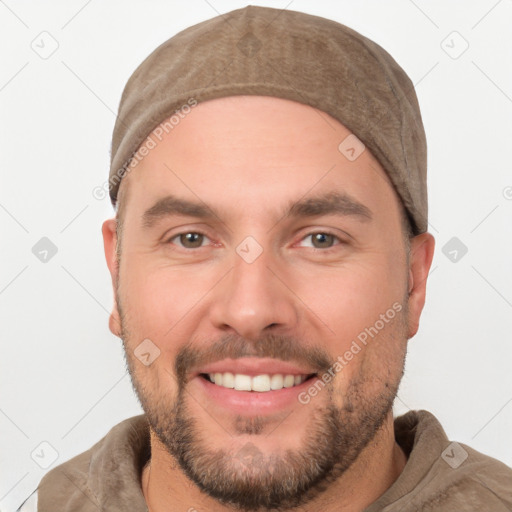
[(323, 232)]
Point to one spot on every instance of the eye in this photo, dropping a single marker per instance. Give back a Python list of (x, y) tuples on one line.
[(321, 240), (190, 240)]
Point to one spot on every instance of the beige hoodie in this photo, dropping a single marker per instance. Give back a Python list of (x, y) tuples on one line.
[(439, 475)]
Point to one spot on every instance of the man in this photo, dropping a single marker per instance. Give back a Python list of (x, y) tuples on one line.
[(269, 259)]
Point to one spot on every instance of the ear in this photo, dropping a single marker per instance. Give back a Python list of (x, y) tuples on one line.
[(109, 243), (422, 253)]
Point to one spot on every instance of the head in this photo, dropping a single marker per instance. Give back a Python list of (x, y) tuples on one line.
[(247, 243)]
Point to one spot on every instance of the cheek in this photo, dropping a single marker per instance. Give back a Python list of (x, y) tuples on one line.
[(352, 297), (356, 313), (158, 298)]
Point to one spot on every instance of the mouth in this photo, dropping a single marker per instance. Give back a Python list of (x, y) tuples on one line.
[(252, 385), (262, 383)]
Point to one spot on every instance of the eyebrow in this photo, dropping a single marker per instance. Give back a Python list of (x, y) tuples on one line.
[(332, 203), (171, 205)]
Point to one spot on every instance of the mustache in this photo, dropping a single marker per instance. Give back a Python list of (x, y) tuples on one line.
[(231, 346)]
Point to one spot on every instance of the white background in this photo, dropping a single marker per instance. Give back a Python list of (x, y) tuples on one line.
[(63, 378)]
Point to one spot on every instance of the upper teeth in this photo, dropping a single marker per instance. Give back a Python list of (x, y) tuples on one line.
[(260, 383)]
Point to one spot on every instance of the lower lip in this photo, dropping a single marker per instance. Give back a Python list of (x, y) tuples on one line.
[(252, 402)]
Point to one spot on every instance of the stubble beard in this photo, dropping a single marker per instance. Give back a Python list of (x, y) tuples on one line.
[(249, 480)]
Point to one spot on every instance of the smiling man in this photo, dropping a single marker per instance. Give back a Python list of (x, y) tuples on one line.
[(269, 259)]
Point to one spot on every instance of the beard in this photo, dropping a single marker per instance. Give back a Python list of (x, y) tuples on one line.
[(246, 478)]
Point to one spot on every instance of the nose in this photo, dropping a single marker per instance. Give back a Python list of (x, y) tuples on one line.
[(254, 298)]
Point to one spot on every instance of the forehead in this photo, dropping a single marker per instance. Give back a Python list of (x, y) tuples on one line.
[(257, 151)]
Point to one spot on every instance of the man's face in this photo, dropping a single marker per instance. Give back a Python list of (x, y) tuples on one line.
[(243, 288)]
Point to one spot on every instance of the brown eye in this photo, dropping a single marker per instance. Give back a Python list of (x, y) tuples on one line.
[(190, 240), (322, 240)]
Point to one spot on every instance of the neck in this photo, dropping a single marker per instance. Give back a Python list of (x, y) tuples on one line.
[(166, 487)]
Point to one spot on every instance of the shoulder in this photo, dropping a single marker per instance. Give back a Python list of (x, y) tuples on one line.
[(468, 480), (81, 482), (441, 475)]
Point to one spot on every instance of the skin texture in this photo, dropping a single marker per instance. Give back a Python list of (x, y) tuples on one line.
[(304, 299)]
